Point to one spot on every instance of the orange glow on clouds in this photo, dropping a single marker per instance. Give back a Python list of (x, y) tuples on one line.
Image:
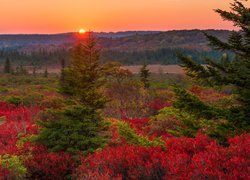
[(54, 16)]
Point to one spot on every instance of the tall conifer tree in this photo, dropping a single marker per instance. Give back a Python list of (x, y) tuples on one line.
[(62, 76), (77, 127), (235, 72), (85, 75), (144, 74), (7, 66)]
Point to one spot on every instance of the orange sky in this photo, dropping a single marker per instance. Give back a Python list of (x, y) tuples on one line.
[(54, 16)]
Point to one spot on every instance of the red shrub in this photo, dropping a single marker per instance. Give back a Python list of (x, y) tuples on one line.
[(139, 125), (115, 139), (126, 161), (158, 104), (224, 163), (4, 172), (207, 95), (185, 158), (47, 165), (15, 121)]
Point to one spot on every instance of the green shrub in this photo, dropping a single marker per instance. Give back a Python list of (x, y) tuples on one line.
[(33, 98), (75, 128), (53, 102), (181, 123), (128, 133), (14, 164), (16, 100), (3, 90)]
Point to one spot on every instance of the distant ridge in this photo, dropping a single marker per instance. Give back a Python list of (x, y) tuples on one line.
[(26, 41), (128, 47)]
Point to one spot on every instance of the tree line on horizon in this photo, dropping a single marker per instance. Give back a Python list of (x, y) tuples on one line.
[(158, 48), (164, 56)]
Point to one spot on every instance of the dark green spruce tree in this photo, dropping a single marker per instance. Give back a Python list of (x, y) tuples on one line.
[(235, 72), (62, 76), (144, 75), (85, 76), (46, 74), (34, 71), (78, 127), (7, 66)]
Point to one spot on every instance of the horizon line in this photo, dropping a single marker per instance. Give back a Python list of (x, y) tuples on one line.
[(58, 33)]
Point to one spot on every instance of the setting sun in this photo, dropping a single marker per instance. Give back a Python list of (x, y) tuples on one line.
[(82, 31)]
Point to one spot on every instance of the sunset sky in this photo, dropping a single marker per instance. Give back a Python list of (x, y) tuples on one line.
[(57, 16)]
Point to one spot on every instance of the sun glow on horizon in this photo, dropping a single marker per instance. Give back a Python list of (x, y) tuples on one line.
[(82, 31), (46, 17)]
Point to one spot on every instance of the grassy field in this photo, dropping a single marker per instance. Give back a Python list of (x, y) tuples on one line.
[(156, 68)]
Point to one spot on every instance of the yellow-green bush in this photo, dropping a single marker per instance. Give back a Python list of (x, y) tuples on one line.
[(128, 133), (14, 164)]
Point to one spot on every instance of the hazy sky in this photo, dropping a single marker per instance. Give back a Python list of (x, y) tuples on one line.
[(53, 16)]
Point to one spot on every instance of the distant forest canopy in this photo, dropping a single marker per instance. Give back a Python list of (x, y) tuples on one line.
[(164, 56), (129, 48), (38, 58)]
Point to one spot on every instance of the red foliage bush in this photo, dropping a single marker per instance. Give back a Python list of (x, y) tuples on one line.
[(115, 139), (40, 163), (124, 161), (224, 163), (15, 121), (158, 104), (185, 158), (207, 95), (182, 158), (4, 172), (43, 164), (139, 125), (144, 127)]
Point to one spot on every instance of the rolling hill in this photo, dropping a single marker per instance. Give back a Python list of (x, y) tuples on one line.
[(131, 47)]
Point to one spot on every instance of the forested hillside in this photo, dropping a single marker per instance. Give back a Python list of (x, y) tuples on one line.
[(133, 47)]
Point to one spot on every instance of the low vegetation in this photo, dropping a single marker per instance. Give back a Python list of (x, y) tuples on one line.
[(100, 121)]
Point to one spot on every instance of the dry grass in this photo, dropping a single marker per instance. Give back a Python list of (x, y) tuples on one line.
[(171, 69), (158, 69)]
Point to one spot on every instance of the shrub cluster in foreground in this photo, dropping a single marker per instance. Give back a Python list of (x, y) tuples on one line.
[(130, 154), (183, 158)]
